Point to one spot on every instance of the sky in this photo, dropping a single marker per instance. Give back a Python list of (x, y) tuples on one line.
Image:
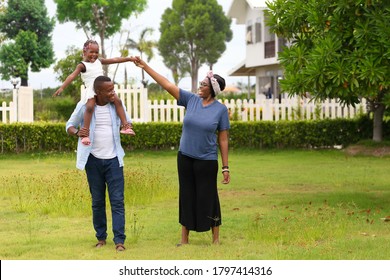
[(65, 35)]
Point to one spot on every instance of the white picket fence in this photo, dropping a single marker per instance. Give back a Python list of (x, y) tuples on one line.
[(141, 109), (8, 113), (20, 109), (295, 108)]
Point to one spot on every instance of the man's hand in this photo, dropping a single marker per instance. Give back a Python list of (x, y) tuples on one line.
[(83, 132)]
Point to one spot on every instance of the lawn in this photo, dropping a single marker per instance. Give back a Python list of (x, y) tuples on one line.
[(280, 205)]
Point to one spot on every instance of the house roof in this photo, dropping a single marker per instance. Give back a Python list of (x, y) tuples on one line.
[(242, 70), (238, 9), (231, 88)]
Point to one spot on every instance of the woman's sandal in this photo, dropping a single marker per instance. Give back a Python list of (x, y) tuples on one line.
[(120, 247)]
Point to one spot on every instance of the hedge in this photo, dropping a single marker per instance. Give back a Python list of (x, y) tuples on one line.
[(48, 137)]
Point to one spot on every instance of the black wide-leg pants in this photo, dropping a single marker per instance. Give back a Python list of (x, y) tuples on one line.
[(199, 207)]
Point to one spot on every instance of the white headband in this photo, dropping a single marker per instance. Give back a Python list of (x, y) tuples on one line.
[(214, 83)]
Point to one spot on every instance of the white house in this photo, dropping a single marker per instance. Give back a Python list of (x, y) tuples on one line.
[(262, 47)]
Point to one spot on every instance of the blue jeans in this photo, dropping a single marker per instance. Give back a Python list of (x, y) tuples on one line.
[(102, 174)]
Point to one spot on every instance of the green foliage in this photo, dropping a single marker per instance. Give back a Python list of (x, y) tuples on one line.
[(144, 47), (34, 137), (154, 136), (193, 33), (339, 49), (299, 134), (26, 24), (56, 109), (44, 93), (100, 17), (65, 67), (41, 136), (236, 96)]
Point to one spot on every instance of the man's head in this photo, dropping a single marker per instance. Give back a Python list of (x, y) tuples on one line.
[(104, 89)]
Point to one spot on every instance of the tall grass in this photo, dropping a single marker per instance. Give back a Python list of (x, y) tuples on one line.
[(66, 193), (279, 205)]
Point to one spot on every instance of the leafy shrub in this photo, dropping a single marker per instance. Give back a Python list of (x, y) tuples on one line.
[(44, 136)]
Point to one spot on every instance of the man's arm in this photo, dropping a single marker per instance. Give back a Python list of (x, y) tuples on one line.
[(76, 120)]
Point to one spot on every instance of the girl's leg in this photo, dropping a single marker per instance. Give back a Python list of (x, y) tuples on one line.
[(126, 127), (90, 107)]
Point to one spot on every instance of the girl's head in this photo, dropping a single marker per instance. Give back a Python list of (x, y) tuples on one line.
[(90, 51)]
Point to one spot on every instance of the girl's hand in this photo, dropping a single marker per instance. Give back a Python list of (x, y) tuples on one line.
[(138, 62), (58, 92)]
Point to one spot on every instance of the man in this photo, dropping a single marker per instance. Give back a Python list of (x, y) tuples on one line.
[(102, 161)]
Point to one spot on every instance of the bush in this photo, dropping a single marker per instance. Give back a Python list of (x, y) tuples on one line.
[(47, 137), (53, 109)]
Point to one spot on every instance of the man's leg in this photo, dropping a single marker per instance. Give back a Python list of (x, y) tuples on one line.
[(115, 182), (97, 187)]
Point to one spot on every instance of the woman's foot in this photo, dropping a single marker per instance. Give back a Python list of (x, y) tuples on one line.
[(86, 141), (184, 236), (215, 231), (127, 129)]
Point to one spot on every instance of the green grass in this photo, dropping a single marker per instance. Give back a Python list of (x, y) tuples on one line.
[(280, 205)]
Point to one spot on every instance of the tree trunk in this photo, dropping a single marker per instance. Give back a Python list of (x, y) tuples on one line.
[(23, 82), (144, 82), (175, 75), (194, 75), (379, 110), (125, 77), (103, 52)]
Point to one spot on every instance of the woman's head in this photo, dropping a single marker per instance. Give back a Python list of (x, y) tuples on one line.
[(217, 83)]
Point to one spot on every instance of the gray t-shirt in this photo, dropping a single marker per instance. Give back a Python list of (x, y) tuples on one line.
[(200, 124)]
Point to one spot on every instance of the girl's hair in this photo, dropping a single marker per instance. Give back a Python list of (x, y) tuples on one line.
[(88, 43)]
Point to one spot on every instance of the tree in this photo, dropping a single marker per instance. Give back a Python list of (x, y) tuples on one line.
[(2, 11), (65, 67), (100, 17), (26, 24), (193, 32), (143, 46), (339, 49)]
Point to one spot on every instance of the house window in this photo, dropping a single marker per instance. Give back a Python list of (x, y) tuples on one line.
[(249, 35), (258, 31), (269, 44)]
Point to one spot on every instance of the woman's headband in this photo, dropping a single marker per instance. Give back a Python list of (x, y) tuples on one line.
[(214, 83)]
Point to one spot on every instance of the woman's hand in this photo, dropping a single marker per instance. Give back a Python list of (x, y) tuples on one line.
[(139, 62), (226, 178)]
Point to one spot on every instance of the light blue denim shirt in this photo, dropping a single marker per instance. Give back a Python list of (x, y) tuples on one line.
[(77, 119)]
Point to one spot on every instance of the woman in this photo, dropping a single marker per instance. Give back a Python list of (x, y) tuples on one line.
[(206, 122)]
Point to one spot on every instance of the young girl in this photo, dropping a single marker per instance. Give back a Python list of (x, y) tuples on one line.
[(89, 69)]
